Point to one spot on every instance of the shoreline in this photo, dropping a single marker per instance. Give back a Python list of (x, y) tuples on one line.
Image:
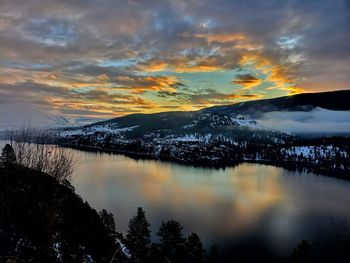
[(218, 164)]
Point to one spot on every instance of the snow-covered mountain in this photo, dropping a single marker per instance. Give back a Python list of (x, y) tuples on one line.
[(332, 100), (172, 126), (313, 112), (227, 135)]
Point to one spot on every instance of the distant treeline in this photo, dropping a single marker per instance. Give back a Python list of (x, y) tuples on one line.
[(227, 149)]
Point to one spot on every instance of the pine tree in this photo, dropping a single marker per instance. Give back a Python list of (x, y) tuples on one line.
[(138, 238), (213, 254), (8, 154), (302, 253), (194, 249), (172, 242), (109, 224)]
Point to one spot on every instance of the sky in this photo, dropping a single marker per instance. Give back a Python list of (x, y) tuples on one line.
[(81, 60)]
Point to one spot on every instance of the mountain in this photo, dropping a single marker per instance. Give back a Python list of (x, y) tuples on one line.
[(57, 121), (333, 100), (44, 221), (308, 108), (255, 131), (61, 121), (326, 112), (315, 114)]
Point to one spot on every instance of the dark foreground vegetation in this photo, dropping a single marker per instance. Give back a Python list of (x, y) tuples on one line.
[(43, 220)]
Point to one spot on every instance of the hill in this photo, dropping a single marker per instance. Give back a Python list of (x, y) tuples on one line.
[(227, 135), (333, 100), (44, 221), (223, 119)]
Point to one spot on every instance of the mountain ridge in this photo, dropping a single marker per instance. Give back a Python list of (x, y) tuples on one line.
[(228, 135), (331, 100)]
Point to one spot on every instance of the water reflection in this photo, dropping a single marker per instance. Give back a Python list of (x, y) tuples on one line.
[(224, 206), (221, 205)]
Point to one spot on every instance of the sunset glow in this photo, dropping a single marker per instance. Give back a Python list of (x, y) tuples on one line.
[(97, 60)]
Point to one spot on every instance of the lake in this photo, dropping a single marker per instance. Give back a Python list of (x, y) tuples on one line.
[(226, 206), (246, 204)]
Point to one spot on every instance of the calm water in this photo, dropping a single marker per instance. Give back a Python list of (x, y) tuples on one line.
[(225, 206)]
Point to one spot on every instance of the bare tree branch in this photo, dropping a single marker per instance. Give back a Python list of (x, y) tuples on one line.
[(34, 149)]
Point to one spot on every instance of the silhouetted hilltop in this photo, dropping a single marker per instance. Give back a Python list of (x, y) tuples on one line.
[(333, 100), (44, 221)]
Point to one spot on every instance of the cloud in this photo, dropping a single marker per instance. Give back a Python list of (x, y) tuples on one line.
[(20, 114), (215, 98), (276, 76), (184, 64), (141, 84), (221, 38), (150, 49), (103, 77), (315, 121), (247, 81), (46, 100)]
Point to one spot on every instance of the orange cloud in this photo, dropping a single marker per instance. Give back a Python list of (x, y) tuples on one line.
[(251, 56), (102, 102), (140, 84), (182, 64), (103, 78), (201, 62), (277, 74), (216, 52), (247, 81), (211, 99), (155, 66), (220, 38)]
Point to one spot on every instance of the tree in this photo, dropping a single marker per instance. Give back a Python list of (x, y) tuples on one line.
[(213, 254), (34, 150), (194, 249), (138, 238), (302, 253), (109, 224), (8, 154), (172, 242)]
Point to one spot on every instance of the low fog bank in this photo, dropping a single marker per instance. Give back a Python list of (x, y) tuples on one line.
[(316, 121)]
